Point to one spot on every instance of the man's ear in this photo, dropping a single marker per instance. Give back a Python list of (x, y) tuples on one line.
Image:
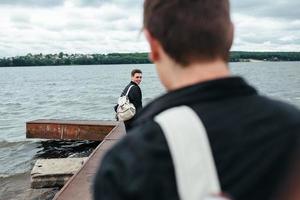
[(231, 34), (154, 46)]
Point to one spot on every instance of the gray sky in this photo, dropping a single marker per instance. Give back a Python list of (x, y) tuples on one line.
[(104, 26)]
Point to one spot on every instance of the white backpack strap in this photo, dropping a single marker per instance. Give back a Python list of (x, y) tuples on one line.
[(195, 171), (128, 90)]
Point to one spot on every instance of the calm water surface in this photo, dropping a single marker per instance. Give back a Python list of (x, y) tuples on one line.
[(90, 92)]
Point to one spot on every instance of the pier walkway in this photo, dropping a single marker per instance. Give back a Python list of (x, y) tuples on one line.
[(79, 185)]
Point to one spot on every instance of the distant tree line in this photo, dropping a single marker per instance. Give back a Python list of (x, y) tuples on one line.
[(239, 56), (128, 58)]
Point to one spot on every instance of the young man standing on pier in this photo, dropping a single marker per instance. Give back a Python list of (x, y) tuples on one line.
[(134, 94), (254, 139)]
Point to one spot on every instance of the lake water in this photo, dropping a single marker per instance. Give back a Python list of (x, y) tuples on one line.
[(90, 92)]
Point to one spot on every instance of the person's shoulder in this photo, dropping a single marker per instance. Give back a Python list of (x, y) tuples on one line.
[(283, 111), (282, 107), (135, 87), (135, 90), (137, 142)]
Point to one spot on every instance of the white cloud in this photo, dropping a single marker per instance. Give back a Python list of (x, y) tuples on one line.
[(70, 28), (32, 3), (283, 9), (104, 26), (265, 25)]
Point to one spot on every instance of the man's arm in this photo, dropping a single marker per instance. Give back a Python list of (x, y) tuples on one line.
[(108, 180), (135, 97)]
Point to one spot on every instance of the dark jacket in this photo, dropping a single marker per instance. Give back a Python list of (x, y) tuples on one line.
[(254, 141), (135, 97)]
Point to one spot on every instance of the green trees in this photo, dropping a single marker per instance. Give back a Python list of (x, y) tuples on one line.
[(75, 59), (128, 58), (237, 56)]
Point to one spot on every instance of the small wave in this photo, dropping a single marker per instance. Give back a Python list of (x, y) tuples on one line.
[(8, 94), (6, 175), (64, 90), (65, 103), (9, 175), (5, 143), (51, 84), (7, 127), (10, 104)]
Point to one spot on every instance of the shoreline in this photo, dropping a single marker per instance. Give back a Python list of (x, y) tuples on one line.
[(241, 61)]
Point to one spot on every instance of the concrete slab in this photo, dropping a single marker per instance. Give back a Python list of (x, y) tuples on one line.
[(54, 172)]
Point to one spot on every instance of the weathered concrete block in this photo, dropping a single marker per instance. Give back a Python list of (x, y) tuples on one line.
[(54, 172)]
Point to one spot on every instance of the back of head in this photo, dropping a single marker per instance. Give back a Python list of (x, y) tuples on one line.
[(190, 30)]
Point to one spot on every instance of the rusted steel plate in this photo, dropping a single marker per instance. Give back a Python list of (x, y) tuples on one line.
[(84, 122), (73, 130), (79, 186)]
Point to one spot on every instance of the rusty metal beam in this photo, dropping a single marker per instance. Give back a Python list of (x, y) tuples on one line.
[(79, 186), (72, 129)]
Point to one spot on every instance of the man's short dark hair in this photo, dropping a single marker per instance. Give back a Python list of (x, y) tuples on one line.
[(190, 30), (134, 71)]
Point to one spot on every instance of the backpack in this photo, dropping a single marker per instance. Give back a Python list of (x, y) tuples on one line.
[(125, 109), (193, 162)]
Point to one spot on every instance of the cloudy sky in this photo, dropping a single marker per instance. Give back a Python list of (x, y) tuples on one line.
[(104, 26)]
